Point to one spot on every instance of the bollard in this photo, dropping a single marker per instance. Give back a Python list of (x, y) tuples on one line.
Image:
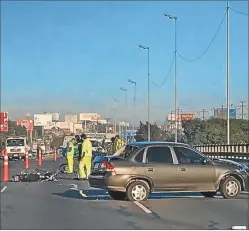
[(39, 157), (55, 154), (26, 164), (5, 168)]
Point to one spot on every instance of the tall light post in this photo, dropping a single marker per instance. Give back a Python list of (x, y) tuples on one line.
[(148, 109), (176, 122), (134, 105), (115, 119), (228, 74), (125, 91)]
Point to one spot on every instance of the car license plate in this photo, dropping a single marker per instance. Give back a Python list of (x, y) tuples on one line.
[(15, 155), (96, 165)]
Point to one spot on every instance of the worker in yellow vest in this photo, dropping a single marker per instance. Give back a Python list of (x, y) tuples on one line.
[(85, 158), (70, 155), (118, 143)]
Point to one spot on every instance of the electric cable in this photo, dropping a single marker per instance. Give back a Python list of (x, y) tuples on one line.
[(166, 77), (238, 12), (210, 44)]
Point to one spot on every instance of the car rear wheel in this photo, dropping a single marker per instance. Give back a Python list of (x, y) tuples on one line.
[(208, 194), (230, 187), (117, 195), (63, 168), (138, 191)]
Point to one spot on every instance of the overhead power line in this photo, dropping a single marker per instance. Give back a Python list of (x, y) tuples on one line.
[(209, 45), (238, 12), (167, 76)]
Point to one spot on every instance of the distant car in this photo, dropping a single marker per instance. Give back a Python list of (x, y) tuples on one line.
[(165, 166)]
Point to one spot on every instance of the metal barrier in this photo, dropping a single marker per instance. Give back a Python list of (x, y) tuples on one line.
[(225, 151), (223, 148)]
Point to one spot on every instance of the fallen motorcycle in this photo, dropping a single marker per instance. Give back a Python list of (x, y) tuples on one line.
[(37, 175)]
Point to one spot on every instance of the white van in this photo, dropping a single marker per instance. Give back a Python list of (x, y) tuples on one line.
[(16, 147)]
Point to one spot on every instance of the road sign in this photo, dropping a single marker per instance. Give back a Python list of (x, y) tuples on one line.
[(4, 119), (28, 124)]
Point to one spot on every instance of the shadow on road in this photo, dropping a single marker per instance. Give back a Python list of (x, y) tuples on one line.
[(74, 194)]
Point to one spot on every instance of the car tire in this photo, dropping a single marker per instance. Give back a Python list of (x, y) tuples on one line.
[(208, 194), (137, 191), (116, 195), (62, 168), (230, 187)]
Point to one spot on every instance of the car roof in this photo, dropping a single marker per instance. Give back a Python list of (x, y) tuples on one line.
[(144, 143)]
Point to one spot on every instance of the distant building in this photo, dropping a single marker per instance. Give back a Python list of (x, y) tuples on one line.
[(71, 118)]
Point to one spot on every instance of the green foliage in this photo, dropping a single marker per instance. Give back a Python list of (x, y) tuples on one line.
[(156, 134), (211, 131), (214, 131)]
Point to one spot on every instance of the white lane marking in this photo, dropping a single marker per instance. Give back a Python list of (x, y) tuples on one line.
[(239, 227), (74, 185), (3, 189), (142, 207)]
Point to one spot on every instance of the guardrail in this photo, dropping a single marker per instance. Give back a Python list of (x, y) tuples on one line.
[(236, 152), (223, 148)]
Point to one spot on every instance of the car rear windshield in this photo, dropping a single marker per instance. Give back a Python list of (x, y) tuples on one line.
[(128, 151), (15, 142)]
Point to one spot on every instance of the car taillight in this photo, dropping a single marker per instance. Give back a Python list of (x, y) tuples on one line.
[(108, 166)]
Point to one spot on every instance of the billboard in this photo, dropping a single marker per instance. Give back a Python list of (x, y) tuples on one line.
[(89, 116), (28, 124), (71, 118), (232, 114), (49, 125), (4, 119), (55, 116), (173, 117), (186, 116), (180, 117), (222, 113), (42, 119)]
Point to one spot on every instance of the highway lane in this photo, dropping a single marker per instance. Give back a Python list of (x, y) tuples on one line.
[(69, 204)]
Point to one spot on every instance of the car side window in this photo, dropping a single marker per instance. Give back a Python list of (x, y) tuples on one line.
[(159, 155), (139, 156), (187, 156)]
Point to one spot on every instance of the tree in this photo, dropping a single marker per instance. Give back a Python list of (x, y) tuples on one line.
[(214, 131), (156, 134)]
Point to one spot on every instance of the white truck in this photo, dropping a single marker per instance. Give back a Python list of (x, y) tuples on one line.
[(16, 147)]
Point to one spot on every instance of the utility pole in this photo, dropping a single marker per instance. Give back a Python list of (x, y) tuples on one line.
[(178, 114), (222, 110), (228, 72), (203, 114), (171, 125), (242, 109)]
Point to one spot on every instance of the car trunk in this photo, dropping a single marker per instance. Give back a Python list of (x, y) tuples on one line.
[(98, 160)]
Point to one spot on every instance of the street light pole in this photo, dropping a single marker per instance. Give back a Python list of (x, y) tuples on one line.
[(228, 74), (134, 105), (175, 53), (125, 91), (115, 116), (148, 109)]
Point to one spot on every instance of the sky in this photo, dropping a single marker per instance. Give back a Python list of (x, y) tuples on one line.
[(72, 57)]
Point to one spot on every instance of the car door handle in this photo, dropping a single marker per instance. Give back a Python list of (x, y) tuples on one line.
[(182, 169), (150, 169)]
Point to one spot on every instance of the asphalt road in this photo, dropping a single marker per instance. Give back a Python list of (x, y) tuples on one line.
[(69, 204)]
